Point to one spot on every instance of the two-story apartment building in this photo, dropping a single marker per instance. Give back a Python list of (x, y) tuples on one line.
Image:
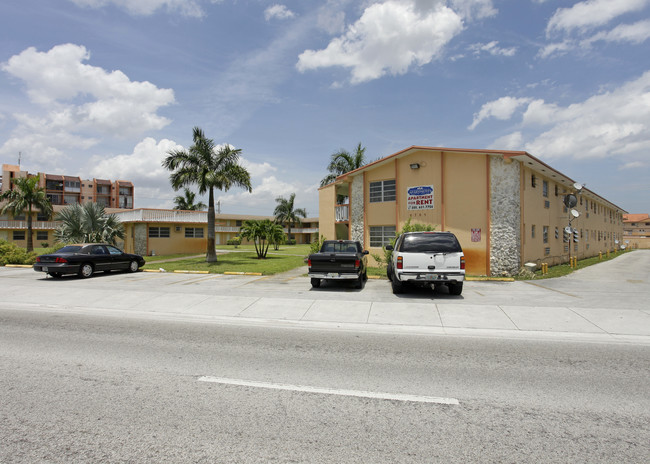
[(163, 232), (636, 230), (505, 207), (62, 190)]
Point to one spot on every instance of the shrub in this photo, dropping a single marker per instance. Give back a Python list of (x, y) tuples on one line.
[(408, 227), (12, 254), (291, 242), (315, 247), (235, 241)]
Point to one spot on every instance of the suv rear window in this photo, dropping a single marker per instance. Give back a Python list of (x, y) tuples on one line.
[(422, 243)]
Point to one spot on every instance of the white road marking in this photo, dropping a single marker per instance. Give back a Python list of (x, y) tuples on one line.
[(330, 391)]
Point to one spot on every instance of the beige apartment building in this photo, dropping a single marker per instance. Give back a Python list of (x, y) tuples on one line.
[(505, 207), (636, 230), (62, 190), (164, 232)]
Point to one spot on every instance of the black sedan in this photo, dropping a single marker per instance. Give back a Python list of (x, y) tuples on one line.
[(87, 258)]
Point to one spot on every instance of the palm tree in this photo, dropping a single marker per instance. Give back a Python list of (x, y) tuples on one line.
[(202, 164), (285, 212), (261, 232), (186, 202), (25, 197), (88, 223), (343, 161)]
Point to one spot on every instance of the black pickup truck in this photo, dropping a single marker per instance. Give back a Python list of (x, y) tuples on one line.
[(338, 260)]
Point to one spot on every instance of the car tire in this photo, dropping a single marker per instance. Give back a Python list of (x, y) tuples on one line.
[(456, 289), (315, 282), (359, 282), (134, 266), (86, 270), (396, 285)]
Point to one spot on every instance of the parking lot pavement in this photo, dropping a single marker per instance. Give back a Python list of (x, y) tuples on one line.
[(607, 302)]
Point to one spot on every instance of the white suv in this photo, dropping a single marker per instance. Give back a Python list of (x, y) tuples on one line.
[(427, 258)]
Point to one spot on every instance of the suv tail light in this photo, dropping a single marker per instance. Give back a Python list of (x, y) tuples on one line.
[(357, 264), (309, 263), (400, 262), (462, 262)]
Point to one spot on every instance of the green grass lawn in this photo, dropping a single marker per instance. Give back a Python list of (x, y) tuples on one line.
[(232, 262), (564, 269)]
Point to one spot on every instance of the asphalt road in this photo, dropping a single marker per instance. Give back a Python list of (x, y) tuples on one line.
[(90, 388)]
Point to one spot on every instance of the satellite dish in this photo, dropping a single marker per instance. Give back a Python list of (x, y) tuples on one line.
[(575, 213), (568, 230), (577, 186), (570, 200)]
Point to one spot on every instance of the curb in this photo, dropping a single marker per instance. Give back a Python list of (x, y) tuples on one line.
[(19, 265)]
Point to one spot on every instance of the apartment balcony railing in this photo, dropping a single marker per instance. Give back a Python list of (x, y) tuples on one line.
[(22, 225), (342, 213), (151, 215)]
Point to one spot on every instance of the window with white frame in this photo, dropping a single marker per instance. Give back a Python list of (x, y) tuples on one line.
[(383, 190), (381, 235), (158, 232), (193, 232)]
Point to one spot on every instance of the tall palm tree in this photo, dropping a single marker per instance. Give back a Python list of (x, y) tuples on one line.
[(186, 202), (208, 168), (286, 213), (88, 223), (343, 161), (24, 198)]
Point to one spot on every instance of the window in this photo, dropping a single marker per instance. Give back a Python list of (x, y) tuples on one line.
[(193, 232), (382, 191), (545, 234), (532, 231), (533, 181), (545, 188), (556, 193), (41, 235), (19, 235), (72, 186), (557, 233), (42, 217), (547, 204), (381, 235), (158, 232)]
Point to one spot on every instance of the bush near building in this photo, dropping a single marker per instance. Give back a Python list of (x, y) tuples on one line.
[(12, 254)]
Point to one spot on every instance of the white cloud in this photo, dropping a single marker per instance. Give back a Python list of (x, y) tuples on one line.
[(590, 14), (492, 48), (512, 141), (633, 33), (611, 124), (473, 9), (502, 109), (278, 12), (632, 165), (390, 37), (191, 8), (76, 102)]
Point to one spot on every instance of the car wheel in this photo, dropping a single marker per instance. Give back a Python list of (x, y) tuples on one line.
[(359, 282), (396, 285), (134, 266), (86, 270), (456, 289), (315, 283)]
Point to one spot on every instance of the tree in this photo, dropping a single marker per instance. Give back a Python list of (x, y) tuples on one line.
[(343, 161), (207, 167), (88, 223), (186, 202), (286, 213), (24, 198), (261, 232)]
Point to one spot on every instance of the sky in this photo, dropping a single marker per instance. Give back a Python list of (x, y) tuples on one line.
[(106, 88)]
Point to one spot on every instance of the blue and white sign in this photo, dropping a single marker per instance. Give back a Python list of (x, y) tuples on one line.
[(420, 197)]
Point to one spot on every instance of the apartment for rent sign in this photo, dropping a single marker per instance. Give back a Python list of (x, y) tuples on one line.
[(420, 197)]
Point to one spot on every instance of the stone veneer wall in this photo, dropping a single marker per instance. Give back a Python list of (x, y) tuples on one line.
[(505, 220), (357, 210), (140, 245)]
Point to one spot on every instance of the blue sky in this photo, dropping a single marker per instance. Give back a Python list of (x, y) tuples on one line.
[(104, 88)]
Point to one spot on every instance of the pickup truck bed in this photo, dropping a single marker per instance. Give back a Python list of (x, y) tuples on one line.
[(338, 260)]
